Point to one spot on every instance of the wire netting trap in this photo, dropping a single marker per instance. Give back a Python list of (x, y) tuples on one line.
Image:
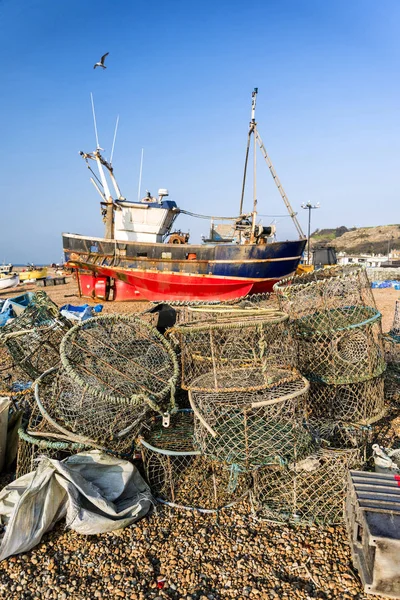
[(250, 344), (342, 345), (121, 358), (251, 428), (310, 490), (33, 338), (84, 415), (324, 290), (392, 375), (180, 476), (361, 403)]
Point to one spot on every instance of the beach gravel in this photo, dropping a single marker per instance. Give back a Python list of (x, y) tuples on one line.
[(200, 557), (197, 556)]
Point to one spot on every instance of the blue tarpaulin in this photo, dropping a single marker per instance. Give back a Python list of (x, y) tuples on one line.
[(80, 313)]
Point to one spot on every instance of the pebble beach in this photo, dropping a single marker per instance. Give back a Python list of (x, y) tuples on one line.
[(179, 554)]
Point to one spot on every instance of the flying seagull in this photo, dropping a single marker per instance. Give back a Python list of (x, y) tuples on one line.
[(101, 63)]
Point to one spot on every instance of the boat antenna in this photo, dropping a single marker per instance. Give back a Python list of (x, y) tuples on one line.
[(95, 124), (115, 135), (140, 175)]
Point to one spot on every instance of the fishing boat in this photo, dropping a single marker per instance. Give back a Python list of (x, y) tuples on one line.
[(8, 281), (141, 258), (32, 273), (6, 269)]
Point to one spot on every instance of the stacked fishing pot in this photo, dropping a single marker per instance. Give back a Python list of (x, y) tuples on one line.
[(248, 405), (29, 345), (113, 372), (338, 331), (392, 354)]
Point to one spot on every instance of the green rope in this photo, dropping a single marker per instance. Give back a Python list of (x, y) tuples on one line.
[(43, 443)]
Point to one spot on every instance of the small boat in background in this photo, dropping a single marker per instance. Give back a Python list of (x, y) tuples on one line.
[(33, 273), (6, 269), (8, 281)]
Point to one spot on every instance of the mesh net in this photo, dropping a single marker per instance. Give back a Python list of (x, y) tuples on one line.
[(87, 417), (33, 338), (197, 311), (312, 490), (395, 330), (392, 375), (361, 403), (252, 428), (250, 345), (324, 290), (9, 371), (120, 357), (341, 345), (179, 475)]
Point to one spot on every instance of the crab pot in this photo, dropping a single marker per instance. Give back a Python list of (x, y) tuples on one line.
[(392, 385), (180, 476), (341, 345), (310, 490), (395, 330), (361, 403), (122, 358), (89, 417), (257, 305), (392, 356), (33, 338), (324, 290), (252, 428), (249, 344)]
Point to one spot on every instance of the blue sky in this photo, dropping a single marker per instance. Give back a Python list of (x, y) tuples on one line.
[(180, 75)]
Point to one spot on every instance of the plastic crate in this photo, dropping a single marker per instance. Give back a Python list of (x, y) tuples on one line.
[(372, 517)]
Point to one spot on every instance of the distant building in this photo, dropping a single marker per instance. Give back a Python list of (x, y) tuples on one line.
[(367, 260)]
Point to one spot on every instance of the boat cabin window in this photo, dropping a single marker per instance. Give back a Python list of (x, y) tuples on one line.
[(142, 254), (94, 248)]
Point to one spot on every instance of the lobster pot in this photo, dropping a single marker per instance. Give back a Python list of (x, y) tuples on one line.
[(31, 448), (180, 476), (6, 367), (324, 290), (257, 305), (392, 385), (395, 330), (253, 428), (33, 338), (392, 356), (84, 415), (311, 490), (341, 346), (361, 403), (121, 358), (249, 345)]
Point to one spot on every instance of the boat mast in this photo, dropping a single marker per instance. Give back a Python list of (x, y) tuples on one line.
[(257, 140), (105, 193), (109, 216), (253, 125)]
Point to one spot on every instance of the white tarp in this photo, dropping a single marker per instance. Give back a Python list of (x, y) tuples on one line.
[(94, 491)]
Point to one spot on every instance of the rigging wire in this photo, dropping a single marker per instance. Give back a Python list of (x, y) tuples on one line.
[(95, 176), (191, 214)]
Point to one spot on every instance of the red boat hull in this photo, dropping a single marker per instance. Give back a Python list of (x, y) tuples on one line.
[(110, 284)]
